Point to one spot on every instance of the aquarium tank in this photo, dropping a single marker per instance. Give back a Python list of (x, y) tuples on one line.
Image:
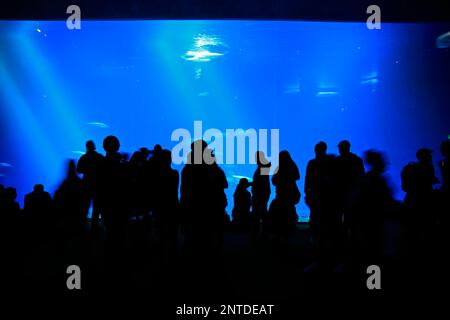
[(143, 80)]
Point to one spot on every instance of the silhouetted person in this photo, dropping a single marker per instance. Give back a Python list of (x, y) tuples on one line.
[(350, 170), (282, 216), (166, 204), (2, 197), (444, 166), (242, 204), (150, 172), (89, 166), (349, 173), (114, 183), (9, 210), (72, 201), (322, 197), (11, 237), (260, 193), (418, 179), (39, 212), (373, 206), (115, 192), (2, 193), (140, 157), (141, 184), (218, 200), (203, 199)]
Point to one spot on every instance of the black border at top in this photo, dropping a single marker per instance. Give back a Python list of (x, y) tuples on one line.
[(315, 10)]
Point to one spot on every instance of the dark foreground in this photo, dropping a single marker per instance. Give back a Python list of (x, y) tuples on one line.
[(244, 272)]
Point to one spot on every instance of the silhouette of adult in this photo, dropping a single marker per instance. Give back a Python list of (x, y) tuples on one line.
[(166, 204), (39, 212), (321, 195), (444, 166), (260, 193), (72, 201), (202, 198), (141, 182), (89, 166), (349, 173), (419, 204), (418, 179), (11, 237), (152, 166), (282, 215), (115, 189), (2, 192), (9, 208), (374, 204), (242, 204), (113, 183), (350, 170)]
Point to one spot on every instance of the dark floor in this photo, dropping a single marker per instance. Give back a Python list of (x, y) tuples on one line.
[(245, 272)]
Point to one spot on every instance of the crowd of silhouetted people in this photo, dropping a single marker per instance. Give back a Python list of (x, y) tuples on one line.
[(352, 210)]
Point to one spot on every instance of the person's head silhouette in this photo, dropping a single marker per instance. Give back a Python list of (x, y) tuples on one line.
[(166, 158), (261, 160), (344, 147), (424, 155), (71, 169), (38, 188), (10, 194), (320, 149), (376, 160), (111, 144), (243, 183), (145, 152), (157, 149), (285, 159), (198, 154), (445, 149), (90, 146)]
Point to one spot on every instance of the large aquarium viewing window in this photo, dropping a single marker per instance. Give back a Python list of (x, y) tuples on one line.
[(143, 80)]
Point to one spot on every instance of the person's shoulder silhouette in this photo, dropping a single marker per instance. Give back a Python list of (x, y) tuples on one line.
[(444, 165)]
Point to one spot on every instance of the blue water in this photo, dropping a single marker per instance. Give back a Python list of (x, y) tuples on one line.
[(141, 80)]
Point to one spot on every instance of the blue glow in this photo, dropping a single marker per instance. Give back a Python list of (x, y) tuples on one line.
[(327, 93), (140, 80)]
